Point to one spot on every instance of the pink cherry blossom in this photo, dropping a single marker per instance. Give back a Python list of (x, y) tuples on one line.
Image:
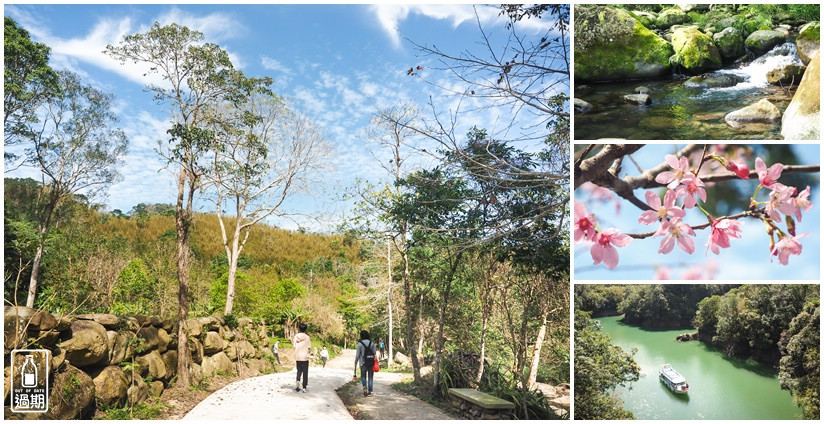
[(781, 201), (802, 203), (660, 211), (662, 273), (693, 273), (584, 223), (742, 170), (603, 249), (691, 186), (676, 231), (768, 177), (722, 230), (787, 246), (681, 167)]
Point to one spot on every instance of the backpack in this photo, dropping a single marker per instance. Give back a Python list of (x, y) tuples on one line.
[(368, 356)]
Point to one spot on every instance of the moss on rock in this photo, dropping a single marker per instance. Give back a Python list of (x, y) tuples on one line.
[(610, 45), (670, 17), (808, 41), (694, 51), (762, 41), (730, 44)]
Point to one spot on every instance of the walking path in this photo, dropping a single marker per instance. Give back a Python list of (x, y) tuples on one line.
[(273, 397)]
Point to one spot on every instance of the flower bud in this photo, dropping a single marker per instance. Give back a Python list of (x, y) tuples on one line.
[(790, 225), (742, 170)]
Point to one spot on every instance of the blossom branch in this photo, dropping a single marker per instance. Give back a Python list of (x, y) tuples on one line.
[(752, 213)]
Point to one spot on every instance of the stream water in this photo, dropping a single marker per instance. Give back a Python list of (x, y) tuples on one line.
[(680, 112), (720, 387)]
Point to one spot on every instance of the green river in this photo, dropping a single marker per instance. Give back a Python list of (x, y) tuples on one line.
[(720, 387)]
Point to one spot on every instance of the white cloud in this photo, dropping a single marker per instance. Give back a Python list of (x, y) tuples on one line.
[(275, 65)]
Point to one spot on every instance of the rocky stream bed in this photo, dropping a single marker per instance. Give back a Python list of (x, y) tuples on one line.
[(695, 72)]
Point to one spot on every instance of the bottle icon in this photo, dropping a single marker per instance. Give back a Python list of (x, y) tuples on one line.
[(29, 372)]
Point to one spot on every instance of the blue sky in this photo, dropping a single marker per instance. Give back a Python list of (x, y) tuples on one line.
[(748, 258), (336, 64)]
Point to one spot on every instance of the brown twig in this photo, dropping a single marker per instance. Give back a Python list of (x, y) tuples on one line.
[(755, 213)]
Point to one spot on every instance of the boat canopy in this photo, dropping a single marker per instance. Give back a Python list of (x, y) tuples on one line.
[(672, 375)]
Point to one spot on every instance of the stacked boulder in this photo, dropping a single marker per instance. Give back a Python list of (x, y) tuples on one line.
[(112, 361)]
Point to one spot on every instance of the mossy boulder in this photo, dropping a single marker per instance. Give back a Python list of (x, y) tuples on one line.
[(610, 45), (72, 395), (694, 51), (808, 41), (670, 17), (762, 41), (111, 386), (801, 120), (730, 44), (646, 18)]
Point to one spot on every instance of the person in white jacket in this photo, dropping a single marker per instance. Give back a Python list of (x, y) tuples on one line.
[(302, 344)]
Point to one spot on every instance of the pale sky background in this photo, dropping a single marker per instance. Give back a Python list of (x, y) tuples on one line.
[(747, 259), (336, 63)]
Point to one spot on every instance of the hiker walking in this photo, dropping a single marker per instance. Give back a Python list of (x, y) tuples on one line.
[(383, 354), (302, 343), (275, 351), (365, 358), (324, 355)]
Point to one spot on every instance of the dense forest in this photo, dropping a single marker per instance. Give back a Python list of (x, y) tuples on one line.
[(776, 324), (462, 266)]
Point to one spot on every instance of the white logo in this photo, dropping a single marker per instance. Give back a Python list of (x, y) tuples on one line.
[(30, 380)]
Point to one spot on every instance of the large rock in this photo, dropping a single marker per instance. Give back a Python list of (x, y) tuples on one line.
[(213, 343), (761, 112), (713, 80), (670, 17), (808, 41), (88, 344), (694, 51), (730, 44), (646, 18), (801, 120), (196, 347), (72, 395), (156, 388), (193, 327), (581, 106), (154, 364), (20, 323), (762, 41), (612, 45), (246, 349), (170, 359), (786, 75), (638, 99), (111, 322), (163, 340), (149, 336), (218, 363), (138, 392), (209, 323), (111, 386)]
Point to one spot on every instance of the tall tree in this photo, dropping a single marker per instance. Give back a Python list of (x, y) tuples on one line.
[(267, 154), (76, 150), (27, 82), (196, 76)]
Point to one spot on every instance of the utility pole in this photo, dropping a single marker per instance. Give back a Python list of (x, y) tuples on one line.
[(389, 297)]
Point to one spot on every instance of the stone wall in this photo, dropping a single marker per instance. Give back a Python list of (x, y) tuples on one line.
[(106, 360)]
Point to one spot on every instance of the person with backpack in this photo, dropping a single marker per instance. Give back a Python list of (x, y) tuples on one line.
[(302, 343), (275, 351), (383, 349), (324, 356), (365, 358)]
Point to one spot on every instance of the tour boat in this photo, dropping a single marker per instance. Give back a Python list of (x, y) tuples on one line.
[(675, 381)]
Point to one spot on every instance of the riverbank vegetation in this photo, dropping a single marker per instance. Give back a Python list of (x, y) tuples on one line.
[(775, 324)]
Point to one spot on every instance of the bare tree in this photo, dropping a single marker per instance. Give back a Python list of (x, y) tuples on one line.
[(196, 76), (76, 150), (268, 154)]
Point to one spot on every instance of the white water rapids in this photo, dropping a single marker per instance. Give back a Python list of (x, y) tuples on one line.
[(754, 73)]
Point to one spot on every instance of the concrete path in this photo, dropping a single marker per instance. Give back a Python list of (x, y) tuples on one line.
[(273, 397)]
